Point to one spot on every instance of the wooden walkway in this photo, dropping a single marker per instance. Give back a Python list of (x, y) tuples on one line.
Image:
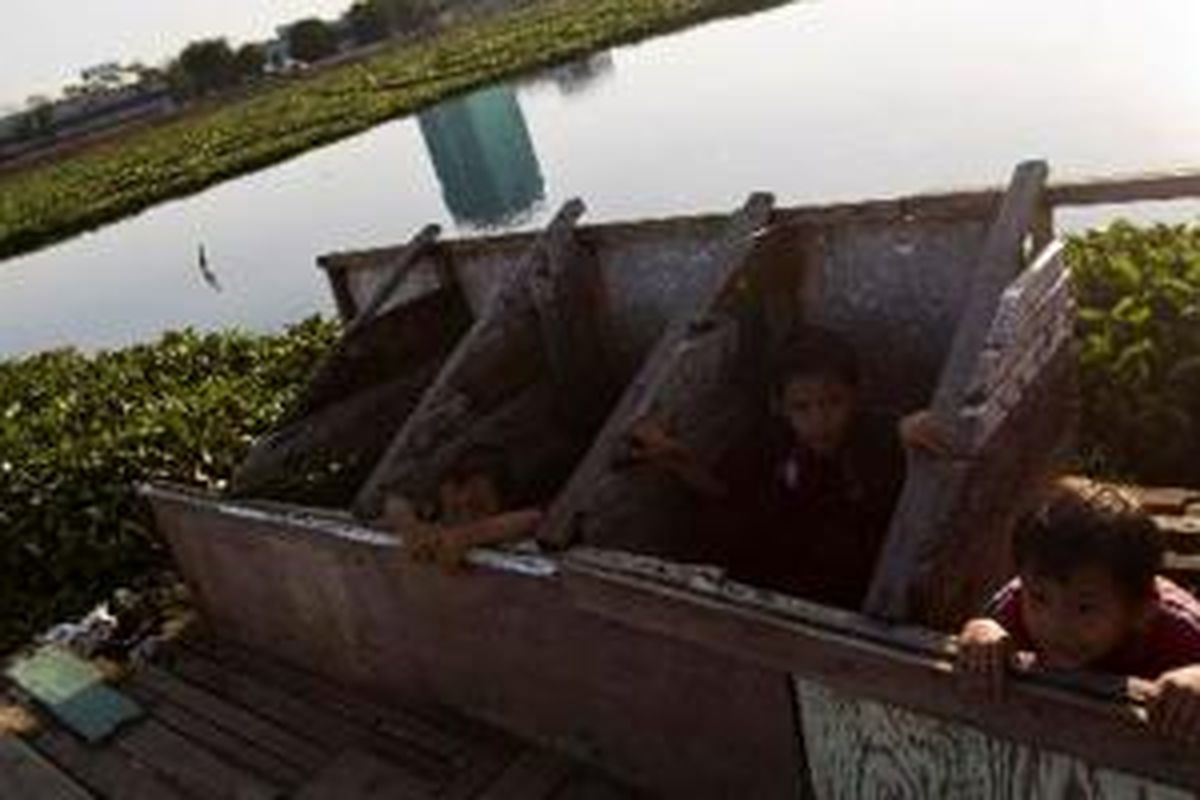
[(222, 724)]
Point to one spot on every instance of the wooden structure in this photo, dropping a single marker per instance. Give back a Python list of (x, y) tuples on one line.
[(225, 724), (603, 638)]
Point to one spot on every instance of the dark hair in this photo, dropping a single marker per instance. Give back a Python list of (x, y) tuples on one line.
[(813, 351), (480, 460), (1081, 523)]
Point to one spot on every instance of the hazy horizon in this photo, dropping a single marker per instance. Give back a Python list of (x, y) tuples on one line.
[(43, 53)]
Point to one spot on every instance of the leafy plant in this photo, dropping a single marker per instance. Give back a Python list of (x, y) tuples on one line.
[(78, 433), (1139, 331)]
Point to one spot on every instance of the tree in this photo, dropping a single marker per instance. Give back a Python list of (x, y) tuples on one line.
[(38, 119), (367, 24), (203, 67), (405, 15), (249, 61), (311, 40)]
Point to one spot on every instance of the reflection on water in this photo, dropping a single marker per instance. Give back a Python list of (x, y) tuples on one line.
[(583, 75), (483, 157)]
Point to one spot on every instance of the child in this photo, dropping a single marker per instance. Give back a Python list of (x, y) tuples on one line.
[(1087, 597), (815, 492), (470, 512)]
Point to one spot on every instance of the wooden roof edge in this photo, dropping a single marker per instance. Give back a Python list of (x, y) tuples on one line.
[(947, 203)]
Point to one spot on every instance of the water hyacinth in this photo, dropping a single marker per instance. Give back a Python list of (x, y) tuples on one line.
[(78, 432)]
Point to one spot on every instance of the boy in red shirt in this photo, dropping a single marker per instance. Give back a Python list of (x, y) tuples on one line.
[(1088, 597), (803, 504)]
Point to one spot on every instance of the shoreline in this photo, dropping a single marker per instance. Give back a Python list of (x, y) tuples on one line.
[(112, 179)]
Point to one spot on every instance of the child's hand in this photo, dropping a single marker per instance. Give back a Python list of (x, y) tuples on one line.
[(649, 441), (420, 538), (920, 432), (1174, 705), (984, 652), (510, 526)]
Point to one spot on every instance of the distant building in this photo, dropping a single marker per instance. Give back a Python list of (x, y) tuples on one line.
[(484, 157), (110, 95)]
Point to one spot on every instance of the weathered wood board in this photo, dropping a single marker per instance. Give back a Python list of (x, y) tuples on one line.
[(1005, 398), (693, 358), (859, 749), (502, 358)]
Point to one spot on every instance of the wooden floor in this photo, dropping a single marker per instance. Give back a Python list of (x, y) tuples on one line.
[(222, 723)]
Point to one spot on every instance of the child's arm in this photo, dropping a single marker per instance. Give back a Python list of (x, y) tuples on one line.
[(985, 650), (1174, 705), (650, 443), (920, 432), (454, 543)]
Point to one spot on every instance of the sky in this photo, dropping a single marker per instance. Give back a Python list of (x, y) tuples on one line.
[(45, 43)]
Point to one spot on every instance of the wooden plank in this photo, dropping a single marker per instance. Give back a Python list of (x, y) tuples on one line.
[(297, 459), (861, 748), (434, 736), (244, 722), (196, 770), (534, 775), (476, 776), (25, 773), (1135, 189), (584, 786), (229, 746), (922, 521), (423, 329), (362, 775), (400, 270), (105, 770), (728, 257), (424, 753), (502, 341), (568, 298), (1067, 716)]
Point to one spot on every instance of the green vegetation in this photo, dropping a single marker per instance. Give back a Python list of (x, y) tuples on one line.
[(51, 201), (77, 433), (1139, 325)]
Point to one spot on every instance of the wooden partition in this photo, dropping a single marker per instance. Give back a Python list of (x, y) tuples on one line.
[(552, 350), (1005, 399), (512, 381), (693, 358), (363, 389)]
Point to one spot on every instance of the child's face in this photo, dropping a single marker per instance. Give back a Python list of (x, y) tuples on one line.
[(471, 498), (818, 409), (1077, 621)]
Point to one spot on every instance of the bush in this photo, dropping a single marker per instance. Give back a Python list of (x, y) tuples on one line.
[(1139, 330), (77, 433)]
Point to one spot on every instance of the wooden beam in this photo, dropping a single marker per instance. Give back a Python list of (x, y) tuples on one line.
[(400, 338), (505, 335), (341, 439), (922, 520), (1097, 720), (568, 297), (728, 258), (400, 270), (26, 773), (1133, 189)]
